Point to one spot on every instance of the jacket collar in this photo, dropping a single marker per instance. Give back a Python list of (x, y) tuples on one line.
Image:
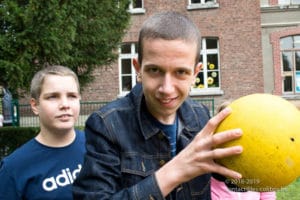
[(187, 116)]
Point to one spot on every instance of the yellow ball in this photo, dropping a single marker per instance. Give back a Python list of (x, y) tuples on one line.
[(270, 140)]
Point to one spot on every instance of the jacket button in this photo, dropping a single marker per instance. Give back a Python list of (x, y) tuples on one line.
[(151, 197), (160, 136), (162, 162)]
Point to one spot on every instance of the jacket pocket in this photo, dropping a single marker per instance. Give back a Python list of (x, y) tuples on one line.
[(135, 167), (200, 187)]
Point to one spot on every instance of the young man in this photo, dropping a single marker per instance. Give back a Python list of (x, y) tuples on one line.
[(155, 143), (46, 166)]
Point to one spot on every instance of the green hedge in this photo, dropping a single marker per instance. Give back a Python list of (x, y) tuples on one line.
[(13, 137)]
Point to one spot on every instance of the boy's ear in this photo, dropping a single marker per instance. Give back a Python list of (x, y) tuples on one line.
[(34, 106)]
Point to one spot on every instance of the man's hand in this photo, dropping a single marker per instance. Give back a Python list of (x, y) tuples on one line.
[(198, 157)]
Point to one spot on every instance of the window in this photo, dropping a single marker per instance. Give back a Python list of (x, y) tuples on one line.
[(290, 64), (127, 75), (208, 79), (288, 2), (202, 1), (200, 4), (136, 6)]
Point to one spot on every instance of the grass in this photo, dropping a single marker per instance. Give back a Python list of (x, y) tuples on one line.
[(290, 192)]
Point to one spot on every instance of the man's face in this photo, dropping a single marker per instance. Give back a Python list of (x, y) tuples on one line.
[(167, 73)]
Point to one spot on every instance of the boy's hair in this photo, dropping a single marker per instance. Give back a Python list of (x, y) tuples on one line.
[(169, 25), (38, 79)]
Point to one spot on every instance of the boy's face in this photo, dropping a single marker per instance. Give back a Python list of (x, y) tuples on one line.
[(167, 74), (58, 106)]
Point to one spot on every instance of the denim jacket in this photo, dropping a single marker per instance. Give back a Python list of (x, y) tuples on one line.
[(124, 150)]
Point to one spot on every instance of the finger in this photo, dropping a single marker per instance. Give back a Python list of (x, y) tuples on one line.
[(226, 136), (219, 153), (226, 152), (214, 121), (226, 172)]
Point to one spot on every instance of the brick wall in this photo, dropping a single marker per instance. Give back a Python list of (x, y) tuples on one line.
[(105, 86), (235, 23)]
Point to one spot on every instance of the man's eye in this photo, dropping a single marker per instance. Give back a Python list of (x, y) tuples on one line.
[(181, 72), (153, 70)]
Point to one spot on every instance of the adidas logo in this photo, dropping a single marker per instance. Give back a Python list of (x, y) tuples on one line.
[(66, 177)]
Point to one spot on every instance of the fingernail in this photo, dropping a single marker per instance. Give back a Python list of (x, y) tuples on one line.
[(239, 131), (239, 149), (238, 176), (227, 109)]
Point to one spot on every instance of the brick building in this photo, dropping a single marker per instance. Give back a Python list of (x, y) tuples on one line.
[(280, 24), (248, 47), (231, 49)]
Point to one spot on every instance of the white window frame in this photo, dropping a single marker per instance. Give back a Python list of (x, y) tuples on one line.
[(288, 2), (139, 10), (294, 73), (207, 90), (202, 4), (130, 55)]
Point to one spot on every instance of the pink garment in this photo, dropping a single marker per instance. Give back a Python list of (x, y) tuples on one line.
[(219, 191)]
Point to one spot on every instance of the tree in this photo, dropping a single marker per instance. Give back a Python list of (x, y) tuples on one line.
[(82, 35)]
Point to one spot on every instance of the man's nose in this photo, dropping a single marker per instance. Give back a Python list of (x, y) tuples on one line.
[(167, 84)]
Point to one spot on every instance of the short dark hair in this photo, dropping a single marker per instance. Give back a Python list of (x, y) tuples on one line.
[(169, 25)]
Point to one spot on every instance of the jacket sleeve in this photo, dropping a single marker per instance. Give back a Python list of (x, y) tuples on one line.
[(100, 176), (8, 189)]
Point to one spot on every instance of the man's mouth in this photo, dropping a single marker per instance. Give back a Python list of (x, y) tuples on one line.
[(167, 101)]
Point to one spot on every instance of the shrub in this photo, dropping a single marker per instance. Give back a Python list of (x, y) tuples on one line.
[(13, 137)]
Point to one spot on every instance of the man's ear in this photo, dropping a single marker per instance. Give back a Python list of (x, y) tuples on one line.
[(136, 65), (137, 68), (197, 69), (34, 106)]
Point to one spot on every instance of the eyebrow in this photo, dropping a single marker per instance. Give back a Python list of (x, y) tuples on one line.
[(186, 68), (57, 93)]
